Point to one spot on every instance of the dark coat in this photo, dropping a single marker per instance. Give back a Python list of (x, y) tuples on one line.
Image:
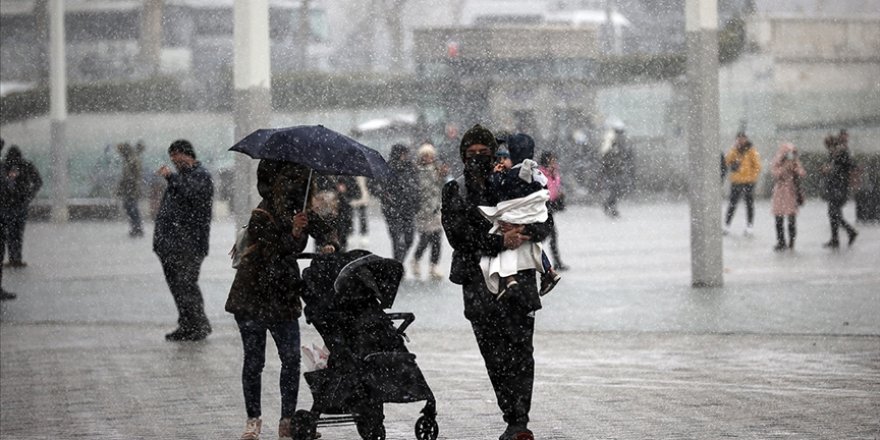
[(837, 180), (21, 182), (468, 233), (399, 193), (183, 223), (268, 284)]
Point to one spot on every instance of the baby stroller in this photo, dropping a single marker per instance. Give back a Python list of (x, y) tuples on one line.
[(369, 364)]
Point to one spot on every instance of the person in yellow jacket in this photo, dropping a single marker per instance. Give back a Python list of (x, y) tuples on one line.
[(745, 167)]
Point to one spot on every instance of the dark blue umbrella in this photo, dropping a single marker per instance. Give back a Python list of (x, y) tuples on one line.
[(316, 147)]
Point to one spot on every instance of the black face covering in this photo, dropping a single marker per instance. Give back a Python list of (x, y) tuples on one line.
[(479, 165)]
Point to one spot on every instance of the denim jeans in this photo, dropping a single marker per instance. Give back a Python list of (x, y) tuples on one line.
[(253, 339)]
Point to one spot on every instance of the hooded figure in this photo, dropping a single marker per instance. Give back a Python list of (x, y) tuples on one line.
[(267, 285), (399, 195), (21, 181), (265, 294), (503, 329), (787, 172)]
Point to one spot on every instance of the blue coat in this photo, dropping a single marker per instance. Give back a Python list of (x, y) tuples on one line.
[(183, 223)]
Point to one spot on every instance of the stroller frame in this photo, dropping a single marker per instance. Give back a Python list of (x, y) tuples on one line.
[(355, 386)]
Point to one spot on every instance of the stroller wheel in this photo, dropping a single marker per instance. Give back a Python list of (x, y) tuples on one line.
[(305, 425), (371, 431), (426, 428)]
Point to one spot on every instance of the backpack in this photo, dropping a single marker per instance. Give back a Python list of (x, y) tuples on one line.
[(243, 245)]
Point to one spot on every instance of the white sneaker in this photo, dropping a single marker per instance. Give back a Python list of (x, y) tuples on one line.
[(750, 231), (252, 429), (435, 273), (416, 270)]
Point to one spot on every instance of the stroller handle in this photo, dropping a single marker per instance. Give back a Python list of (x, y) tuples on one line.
[(407, 318)]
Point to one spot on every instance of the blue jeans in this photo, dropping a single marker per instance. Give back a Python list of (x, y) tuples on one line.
[(253, 338)]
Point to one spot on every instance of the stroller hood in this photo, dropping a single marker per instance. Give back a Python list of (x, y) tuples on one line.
[(353, 276), (378, 275)]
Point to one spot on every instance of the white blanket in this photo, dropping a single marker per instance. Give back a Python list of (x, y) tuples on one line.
[(521, 211)]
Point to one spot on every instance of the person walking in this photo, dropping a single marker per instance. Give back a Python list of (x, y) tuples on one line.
[(359, 209), (614, 167), (265, 294), (431, 177), (180, 237), (129, 189), (503, 329), (22, 182), (837, 179), (400, 201), (745, 168), (549, 165), (787, 173), (4, 294)]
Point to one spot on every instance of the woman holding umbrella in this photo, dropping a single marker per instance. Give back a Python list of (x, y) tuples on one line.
[(265, 294)]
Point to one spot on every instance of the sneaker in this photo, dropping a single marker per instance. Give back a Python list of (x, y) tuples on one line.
[(852, 238), (416, 270), (750, 231), (549, 280), (833, 244), (780, 247), (15, 264), (6, 295), (435, 273), (285, 432), (252, 429)]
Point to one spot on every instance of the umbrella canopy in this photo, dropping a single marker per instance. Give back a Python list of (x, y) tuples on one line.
[(316, 147)]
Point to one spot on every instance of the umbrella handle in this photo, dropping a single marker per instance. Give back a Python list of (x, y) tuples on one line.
[(308, 189)]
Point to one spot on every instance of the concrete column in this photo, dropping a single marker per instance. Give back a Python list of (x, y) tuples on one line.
[(707, 260), (252, 96), (58, 110)]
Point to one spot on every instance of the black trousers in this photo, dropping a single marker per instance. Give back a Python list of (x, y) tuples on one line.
[(835, 215), (402, 232), (429, 238), (182, 276), (134, 214), (780, 229), (737, 191), (506, 344), (14, 234)]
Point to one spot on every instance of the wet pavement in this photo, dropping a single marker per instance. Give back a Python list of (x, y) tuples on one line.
[(625, 348)]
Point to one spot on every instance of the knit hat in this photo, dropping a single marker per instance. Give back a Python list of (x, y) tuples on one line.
[(521, 147), (182, 146), (477, 135)]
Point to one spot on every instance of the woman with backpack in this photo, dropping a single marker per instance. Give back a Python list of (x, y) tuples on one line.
[(265, 294)]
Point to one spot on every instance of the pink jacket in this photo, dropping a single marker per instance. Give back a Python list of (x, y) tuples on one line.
[(554, 181), (784, 189)]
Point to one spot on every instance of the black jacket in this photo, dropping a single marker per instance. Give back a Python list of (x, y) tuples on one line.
[(20, 189), (837, 180), (468, 233), (183, 223)]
